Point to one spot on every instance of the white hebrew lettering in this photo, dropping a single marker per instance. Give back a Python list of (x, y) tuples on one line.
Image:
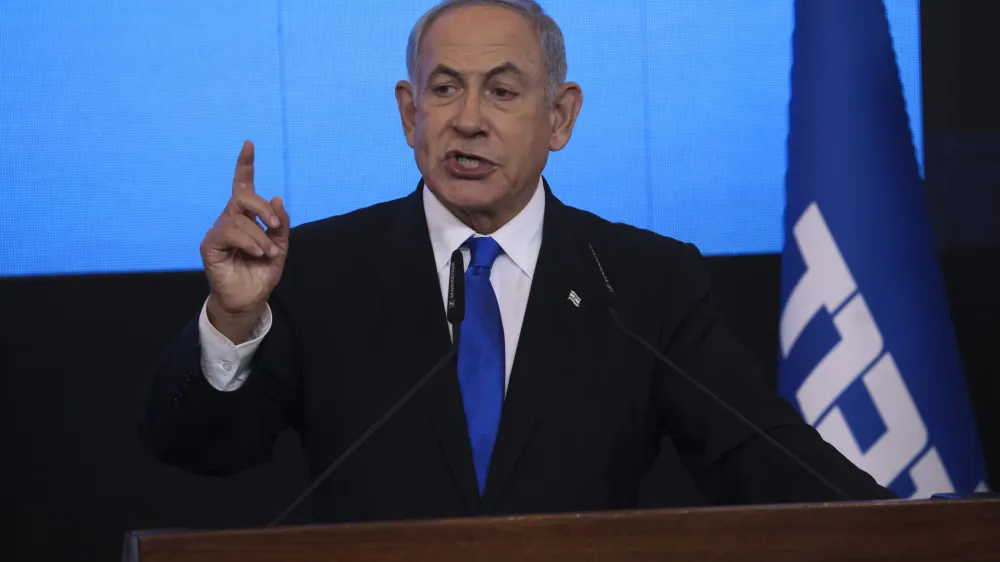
[(929, 476), (905, 435), (860, 344), (826, 282)]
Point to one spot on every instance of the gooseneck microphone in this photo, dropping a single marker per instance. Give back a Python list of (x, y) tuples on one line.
[(455, 313), (613, 312)]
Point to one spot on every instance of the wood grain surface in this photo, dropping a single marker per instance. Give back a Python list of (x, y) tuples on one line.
[(937, 530)]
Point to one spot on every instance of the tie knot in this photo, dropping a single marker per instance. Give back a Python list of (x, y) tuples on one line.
[(484, 251)]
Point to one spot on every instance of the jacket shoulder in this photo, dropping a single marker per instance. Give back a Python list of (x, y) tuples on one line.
[(628, 242)]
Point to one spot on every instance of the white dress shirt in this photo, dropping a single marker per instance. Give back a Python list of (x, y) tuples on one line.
[(226, 365)]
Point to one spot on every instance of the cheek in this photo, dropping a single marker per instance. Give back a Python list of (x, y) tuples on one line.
[(428, 130), (523, 139)]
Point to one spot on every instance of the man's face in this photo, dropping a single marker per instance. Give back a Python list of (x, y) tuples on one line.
[(481, 126)]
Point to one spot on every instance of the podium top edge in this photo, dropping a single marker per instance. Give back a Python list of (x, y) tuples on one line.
[(555, 518)]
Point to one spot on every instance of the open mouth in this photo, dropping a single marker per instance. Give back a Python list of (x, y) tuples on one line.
[(468, 166)]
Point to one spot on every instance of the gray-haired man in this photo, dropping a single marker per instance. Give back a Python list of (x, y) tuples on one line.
[(548, 406)]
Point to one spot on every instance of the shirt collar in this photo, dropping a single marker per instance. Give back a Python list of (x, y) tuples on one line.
[(520, 238)]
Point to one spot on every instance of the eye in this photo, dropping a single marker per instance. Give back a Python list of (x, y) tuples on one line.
[(503, 94), (444, 89)]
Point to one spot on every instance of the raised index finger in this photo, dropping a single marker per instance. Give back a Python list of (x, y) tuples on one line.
[(243, 178)]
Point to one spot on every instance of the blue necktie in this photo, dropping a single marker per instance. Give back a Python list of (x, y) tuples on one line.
[(481, 355)]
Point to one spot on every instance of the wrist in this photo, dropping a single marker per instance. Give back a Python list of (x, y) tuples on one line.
[(236, 326)]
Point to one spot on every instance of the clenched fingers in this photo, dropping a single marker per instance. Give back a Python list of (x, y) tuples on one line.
[(252, 206), (239, 233), (280, 233), (257, 234)]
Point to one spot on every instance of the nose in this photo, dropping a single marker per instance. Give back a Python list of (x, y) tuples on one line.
[(470, 121)]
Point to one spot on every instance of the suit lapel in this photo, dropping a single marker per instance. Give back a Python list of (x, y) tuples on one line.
[(413, 295), (548, 338)]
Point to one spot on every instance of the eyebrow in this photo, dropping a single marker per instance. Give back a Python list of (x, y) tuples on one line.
[(504, 68)]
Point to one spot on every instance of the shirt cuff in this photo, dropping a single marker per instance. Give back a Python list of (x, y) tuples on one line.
[(223, 363)]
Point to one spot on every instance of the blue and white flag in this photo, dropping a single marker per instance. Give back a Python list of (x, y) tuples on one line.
[(868, 354)]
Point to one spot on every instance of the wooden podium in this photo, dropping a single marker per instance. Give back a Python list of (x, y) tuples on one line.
[(889, 530)]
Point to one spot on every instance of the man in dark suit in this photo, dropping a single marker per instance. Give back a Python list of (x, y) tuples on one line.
[(549, 406)]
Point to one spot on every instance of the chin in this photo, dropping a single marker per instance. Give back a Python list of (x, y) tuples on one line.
[(472, 195)]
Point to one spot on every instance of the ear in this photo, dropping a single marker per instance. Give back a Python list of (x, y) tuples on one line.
[(407, 109), (565, 108)]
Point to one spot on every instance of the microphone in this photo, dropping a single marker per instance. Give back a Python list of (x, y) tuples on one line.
[(455, 314), (613, 312), (456, 293)]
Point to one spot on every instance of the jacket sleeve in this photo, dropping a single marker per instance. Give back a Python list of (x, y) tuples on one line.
[(190, 424), (731, 463)]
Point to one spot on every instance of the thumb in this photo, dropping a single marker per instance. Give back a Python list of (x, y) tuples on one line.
[(279, 234)]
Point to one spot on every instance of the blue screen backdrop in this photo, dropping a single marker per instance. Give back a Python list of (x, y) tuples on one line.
[(120, 120)]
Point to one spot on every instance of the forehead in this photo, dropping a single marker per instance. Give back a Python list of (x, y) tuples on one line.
[(478, 38)]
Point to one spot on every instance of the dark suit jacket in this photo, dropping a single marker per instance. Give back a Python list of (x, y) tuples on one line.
[(358, 318)]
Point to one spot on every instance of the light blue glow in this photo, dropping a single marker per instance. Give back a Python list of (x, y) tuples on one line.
[(120, 121)]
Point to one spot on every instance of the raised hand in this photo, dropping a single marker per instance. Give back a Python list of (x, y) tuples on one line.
[(242, 260)]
